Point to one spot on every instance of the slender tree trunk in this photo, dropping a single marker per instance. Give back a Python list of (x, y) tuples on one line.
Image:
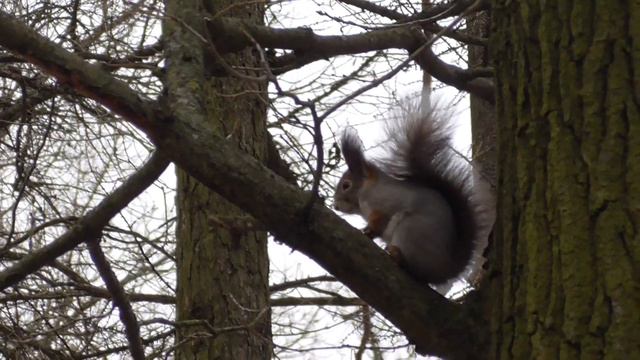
[(568, 238), (484, 146), (222, 262), (483, 117)]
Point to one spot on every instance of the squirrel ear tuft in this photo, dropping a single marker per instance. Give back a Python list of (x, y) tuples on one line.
[(353, 152)]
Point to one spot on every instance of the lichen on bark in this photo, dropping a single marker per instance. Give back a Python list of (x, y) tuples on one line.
[(568, 202)]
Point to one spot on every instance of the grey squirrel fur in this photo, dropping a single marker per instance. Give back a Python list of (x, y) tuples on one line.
[(418, 198)]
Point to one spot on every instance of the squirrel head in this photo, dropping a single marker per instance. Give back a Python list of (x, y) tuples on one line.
[(346, 193)]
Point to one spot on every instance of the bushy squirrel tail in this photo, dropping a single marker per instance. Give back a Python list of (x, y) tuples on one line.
[(419, 151)]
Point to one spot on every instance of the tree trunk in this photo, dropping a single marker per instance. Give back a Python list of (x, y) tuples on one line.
[(222, 262), (484, 147), (483, 116), (567, 237)]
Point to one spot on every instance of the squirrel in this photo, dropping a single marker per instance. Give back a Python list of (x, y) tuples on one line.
[(418, 198)]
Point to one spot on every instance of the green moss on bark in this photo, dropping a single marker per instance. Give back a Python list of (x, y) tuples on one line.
[(568, 199)]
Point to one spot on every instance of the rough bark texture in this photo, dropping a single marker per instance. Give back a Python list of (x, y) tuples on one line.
[(569, 181), (222, 269)]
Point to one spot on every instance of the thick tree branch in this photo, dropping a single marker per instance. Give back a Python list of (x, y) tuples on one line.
[(457, 77), (90, 225), (434, 324), (231, 36), (309, 47)]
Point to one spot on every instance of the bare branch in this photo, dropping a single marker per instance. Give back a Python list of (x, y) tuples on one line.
[(119, 298), (300, 282), (231, 37), (147, 341), (426, 18), (317, 301), (89, 225), (434, 324), (309, 47), (213, 331)]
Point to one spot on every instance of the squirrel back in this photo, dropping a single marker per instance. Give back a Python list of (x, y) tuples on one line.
[(418, 198)]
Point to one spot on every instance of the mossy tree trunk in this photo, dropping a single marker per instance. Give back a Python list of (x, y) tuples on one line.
[(222, 260), (568, 232)]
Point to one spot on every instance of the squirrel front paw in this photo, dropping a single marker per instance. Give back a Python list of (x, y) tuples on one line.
[(369, 232), (376, 223), (395, 254)]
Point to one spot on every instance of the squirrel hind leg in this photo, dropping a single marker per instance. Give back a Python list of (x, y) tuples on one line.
[(422, 246)]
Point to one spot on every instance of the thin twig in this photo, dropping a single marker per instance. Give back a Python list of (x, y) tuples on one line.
[(402, 65), (317, 124), (119, 298), (89, 225)]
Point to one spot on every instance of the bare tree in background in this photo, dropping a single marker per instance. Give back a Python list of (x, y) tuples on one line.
[(84, 252), (50, 190), (79, 239), (99, 97)]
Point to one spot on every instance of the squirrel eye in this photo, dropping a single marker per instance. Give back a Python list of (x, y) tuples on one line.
[(346, 185)]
